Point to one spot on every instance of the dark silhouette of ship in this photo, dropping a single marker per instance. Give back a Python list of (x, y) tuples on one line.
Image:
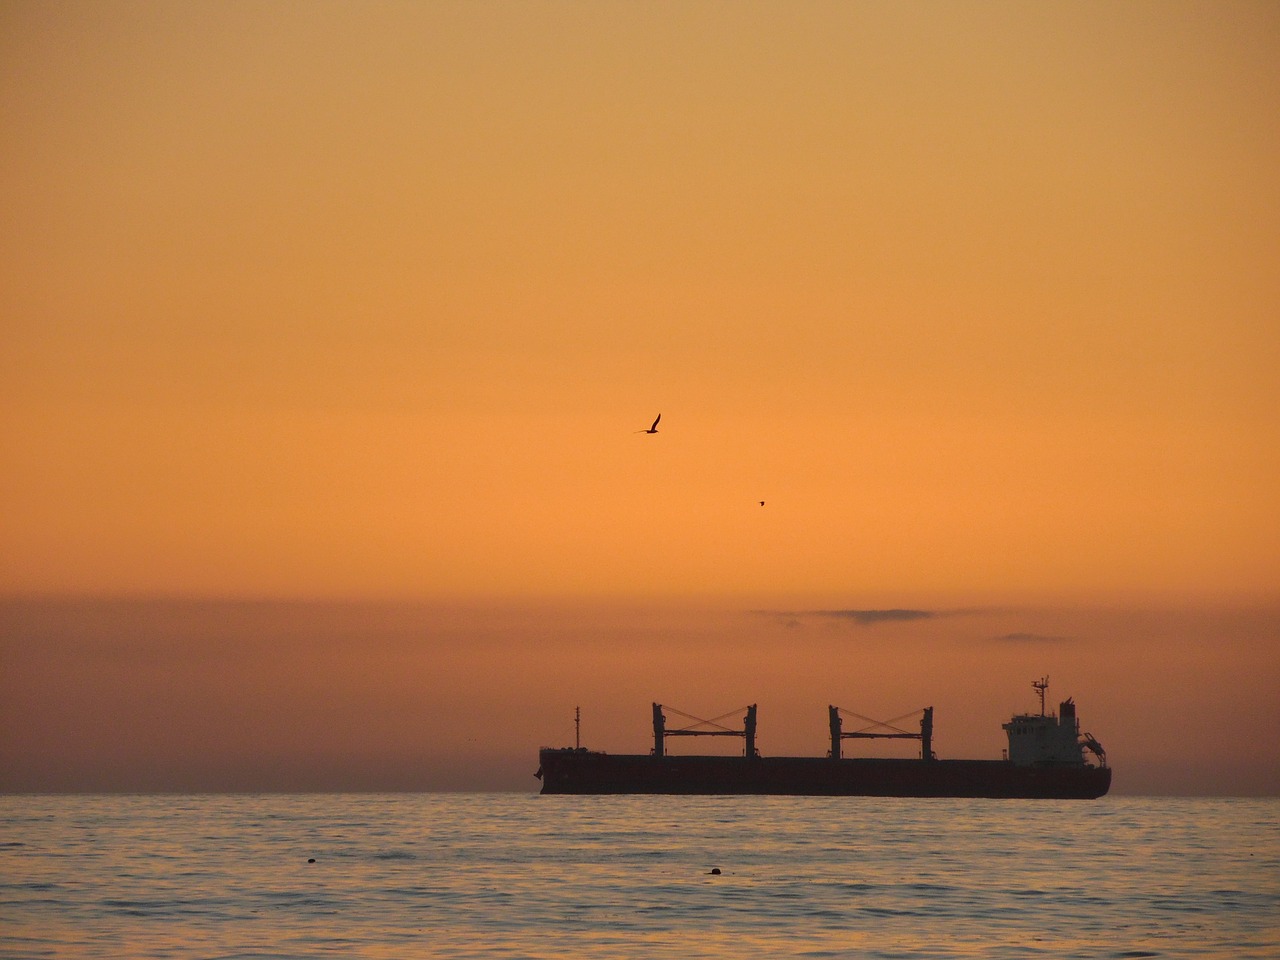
[(1047, 758)]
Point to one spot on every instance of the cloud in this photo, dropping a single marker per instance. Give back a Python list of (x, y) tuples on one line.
[(867, 618), (1030, 638)]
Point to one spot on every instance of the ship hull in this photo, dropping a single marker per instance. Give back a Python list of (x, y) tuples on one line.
[(566, 771)]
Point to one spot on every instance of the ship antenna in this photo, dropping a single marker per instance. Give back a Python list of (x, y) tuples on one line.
[(1041, 685), (577, 728)]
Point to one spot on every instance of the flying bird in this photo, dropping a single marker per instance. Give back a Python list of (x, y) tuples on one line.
[(654, 428)]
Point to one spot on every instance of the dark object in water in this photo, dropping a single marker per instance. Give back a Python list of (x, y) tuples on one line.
[(1046, 759)]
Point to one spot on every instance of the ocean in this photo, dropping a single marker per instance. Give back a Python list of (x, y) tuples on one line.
[(523, 876)]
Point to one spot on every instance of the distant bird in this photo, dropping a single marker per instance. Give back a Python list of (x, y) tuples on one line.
[(762, 503), (654, 428)]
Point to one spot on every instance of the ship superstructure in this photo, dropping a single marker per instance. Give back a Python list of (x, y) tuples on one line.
[(1050, 738)]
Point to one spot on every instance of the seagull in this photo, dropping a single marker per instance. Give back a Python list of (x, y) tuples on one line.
[(654, 428), (762, 503)]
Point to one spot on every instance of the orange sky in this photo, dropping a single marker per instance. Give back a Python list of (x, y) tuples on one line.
[(368, 301)]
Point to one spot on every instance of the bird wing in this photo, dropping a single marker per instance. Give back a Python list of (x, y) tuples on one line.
[(655, 422)]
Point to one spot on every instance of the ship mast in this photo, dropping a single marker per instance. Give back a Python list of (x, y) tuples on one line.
[(1041, 686)]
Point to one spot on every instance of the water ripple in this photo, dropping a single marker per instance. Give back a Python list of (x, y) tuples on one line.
[(462, 876)]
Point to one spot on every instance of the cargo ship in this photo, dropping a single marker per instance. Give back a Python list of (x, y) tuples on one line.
[(1047, 758)]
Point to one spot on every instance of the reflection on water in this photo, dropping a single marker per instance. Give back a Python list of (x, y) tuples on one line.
[(524, 876)]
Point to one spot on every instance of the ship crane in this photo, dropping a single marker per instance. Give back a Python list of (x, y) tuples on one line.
[(660, 731), (1094, 747), (886, 731)]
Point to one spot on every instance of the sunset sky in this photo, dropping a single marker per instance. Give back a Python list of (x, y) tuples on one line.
[(330, 331)]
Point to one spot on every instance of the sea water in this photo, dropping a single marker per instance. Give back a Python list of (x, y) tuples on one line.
[(512, 875)]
